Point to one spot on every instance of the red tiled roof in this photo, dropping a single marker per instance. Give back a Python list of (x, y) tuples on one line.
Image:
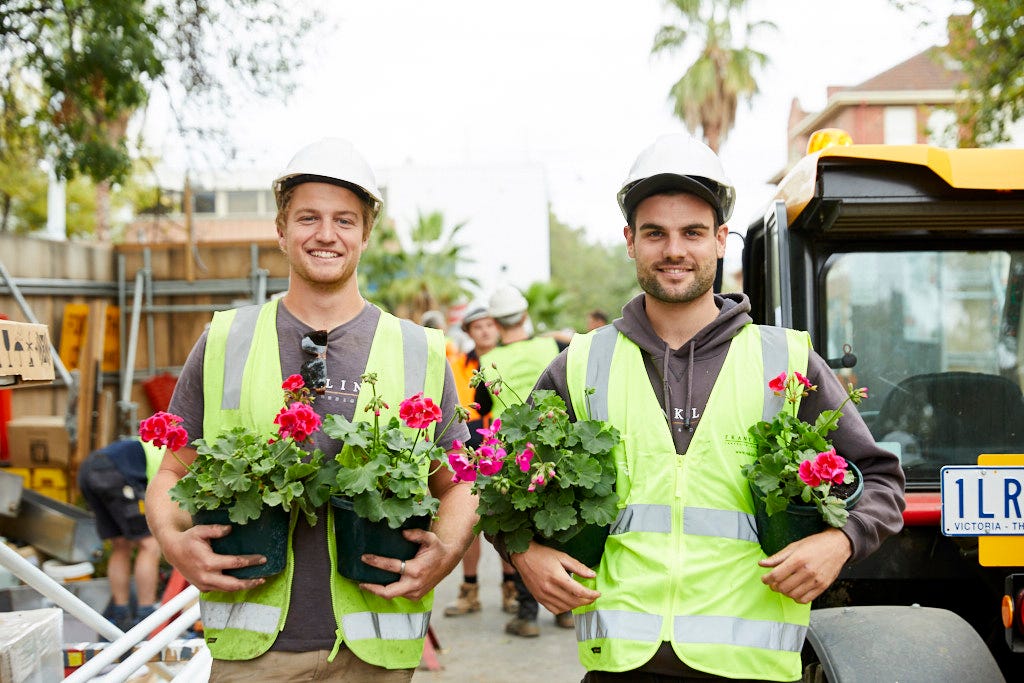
[(928, 70)]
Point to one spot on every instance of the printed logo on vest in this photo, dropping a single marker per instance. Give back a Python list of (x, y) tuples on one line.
[(741, 443)]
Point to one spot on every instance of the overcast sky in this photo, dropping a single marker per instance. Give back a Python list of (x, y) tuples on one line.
[(565, 84)]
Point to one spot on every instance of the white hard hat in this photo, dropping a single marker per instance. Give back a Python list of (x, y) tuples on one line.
[(334, 161), (506, 301), (678, 162), (476, 312)]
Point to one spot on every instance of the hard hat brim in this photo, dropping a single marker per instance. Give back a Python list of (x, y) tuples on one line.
[(291, 181), (721, 201)]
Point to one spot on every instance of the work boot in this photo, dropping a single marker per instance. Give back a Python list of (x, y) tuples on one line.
[(509, 603), (120, 616), (141, 612), (468, 601), (564, 620), (524, 628)]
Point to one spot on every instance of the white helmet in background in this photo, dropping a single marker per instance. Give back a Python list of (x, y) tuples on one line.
[(334, 161), (506, 302), (678, 162)]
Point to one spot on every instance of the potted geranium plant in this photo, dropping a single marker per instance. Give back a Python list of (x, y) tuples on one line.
[(540, 476), (247, 478), (799, 483), (379, 480)]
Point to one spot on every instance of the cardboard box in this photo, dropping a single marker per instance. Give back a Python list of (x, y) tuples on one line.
[(38, 441), (25, 357)]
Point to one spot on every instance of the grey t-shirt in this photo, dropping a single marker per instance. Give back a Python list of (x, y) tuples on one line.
[(310, 624)]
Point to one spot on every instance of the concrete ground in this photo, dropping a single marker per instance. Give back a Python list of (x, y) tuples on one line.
[(475, 647)]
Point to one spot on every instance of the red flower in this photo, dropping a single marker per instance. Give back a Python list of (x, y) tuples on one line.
[(778, 385), (164, 429), (419, 412), (297, 421), (803, 380), (293, 383)]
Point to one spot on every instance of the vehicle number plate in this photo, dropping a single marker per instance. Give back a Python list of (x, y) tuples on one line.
[(982, 501)]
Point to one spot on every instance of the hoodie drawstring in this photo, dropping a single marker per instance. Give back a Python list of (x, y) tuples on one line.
[(689, 390)]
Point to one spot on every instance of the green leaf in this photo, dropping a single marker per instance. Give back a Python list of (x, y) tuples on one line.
[(248, 505), (369, 505), (355, 480), (548, 520), (600, 511)]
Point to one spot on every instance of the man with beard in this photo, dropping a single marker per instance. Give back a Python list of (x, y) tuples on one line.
[(683, 591), (308, 622)]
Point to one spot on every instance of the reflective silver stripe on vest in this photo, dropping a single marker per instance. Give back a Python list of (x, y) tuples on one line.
[(719, 523), (239, 341), (768, 635), (775, 356), (774, 353), (599, 364), (618, 624), (414, 351), (385, 626), (247, 616), (643, 517)]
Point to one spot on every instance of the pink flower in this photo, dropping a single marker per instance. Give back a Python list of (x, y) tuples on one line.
[(297, 421), (778, 385), (293, 383), (461, 466), (524, 458), (164, 429), (808, 474), (419, 412), (830, 467), (825, 467), (538, 480), (489, 466), (490, 433), (803, 380)]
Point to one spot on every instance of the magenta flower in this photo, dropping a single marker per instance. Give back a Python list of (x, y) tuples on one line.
[(803, 380), (489, 466), (524, 458), (778, 385), (461, 466)]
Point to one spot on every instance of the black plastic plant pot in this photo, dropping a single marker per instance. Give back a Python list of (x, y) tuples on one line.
[(586, 545), (356, 536), (797, 521), (266, 535)]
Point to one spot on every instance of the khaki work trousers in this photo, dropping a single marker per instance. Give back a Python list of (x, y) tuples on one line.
[(275, 667)]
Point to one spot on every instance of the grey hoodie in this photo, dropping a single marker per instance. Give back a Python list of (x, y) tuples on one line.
[(682, 380)]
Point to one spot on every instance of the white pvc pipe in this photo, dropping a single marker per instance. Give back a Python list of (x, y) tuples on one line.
[(197, 669), (118, 647), (151, 647), (35, 577)]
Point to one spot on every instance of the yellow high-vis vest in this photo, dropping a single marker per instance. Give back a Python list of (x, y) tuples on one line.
[(242, 386), (521, 364), (680, 564)]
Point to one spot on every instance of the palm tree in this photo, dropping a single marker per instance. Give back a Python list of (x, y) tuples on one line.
[(424, 277), (706, 96)]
